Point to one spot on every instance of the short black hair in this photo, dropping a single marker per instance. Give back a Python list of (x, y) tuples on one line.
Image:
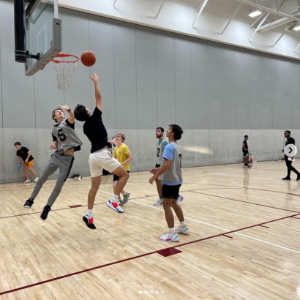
[(177, 131), (288, 131), (80, 113), (161, 129), (17, 143), (245, 136)]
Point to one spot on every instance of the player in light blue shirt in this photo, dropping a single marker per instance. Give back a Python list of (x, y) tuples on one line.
[(171, 178)]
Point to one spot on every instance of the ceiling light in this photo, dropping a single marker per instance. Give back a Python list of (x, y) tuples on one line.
[(297, 28), (255, 13)]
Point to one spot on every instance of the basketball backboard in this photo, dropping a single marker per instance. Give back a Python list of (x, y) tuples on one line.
[(43, 34)]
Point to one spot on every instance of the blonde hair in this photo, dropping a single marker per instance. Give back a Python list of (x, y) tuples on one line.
[(122, 135)]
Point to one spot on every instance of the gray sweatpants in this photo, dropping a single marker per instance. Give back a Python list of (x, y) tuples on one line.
[(60, 161)]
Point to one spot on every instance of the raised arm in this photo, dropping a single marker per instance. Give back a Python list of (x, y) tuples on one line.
[(71, 118), (98, 95)]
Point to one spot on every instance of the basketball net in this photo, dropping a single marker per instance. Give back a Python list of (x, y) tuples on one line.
[(65, 66)]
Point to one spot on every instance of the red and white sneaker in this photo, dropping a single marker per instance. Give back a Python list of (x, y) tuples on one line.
[(115, 206), (89, 222)]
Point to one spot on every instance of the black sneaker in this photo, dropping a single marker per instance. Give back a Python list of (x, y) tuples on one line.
[(28, 203), (286, 178), (89, 222), (45, 212), (298, 177)]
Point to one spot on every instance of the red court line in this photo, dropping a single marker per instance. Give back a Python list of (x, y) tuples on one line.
[(193, 191), (256, 189), (141, 255), (252, 203), (265, 226), (230, 237)]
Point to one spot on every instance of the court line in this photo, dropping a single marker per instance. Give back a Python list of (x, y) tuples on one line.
[(155, 252), (228, 230), (251, 203), (236, 231), (193, 191)]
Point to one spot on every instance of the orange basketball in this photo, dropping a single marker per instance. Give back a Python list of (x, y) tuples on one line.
[(88, 58)]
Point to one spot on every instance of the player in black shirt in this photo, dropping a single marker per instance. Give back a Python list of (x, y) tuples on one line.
[(100, 157), (246, 154), (288, 162), (28, 160)]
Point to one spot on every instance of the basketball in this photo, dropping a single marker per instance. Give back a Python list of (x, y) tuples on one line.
[(88, 58)]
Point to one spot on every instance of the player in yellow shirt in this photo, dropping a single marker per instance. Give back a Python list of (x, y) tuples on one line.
[(123, 155)]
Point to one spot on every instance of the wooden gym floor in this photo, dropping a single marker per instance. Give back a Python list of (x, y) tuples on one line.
[(244, 240)]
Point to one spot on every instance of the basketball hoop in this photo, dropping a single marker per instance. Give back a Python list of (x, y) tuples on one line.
[(65, 66)]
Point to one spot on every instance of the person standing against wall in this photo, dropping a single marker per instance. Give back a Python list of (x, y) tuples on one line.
[(25, 154), (245, 150)]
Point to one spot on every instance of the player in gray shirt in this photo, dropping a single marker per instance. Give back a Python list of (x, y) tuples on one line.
[(160, 148), (171, 178), (65, 142)]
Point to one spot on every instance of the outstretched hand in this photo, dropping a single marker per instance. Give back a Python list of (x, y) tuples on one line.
[(64, 107), (94, 77)]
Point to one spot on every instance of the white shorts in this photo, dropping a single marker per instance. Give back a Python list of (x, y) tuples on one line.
[(100, 160)]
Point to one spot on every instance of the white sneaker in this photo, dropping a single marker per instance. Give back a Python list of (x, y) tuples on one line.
[(170, 237), (115, 206), (179, 199), (159, 201), (27, 181), (180, 229), (36, 180)]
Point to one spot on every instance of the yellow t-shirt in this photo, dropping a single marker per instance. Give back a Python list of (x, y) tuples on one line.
[(121, 154)]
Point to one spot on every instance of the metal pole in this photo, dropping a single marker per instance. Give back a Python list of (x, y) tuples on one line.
[(56, 9), (264, 8), (200, 11), (160, 9), (279, 6), (20, 35), (234, 14), (256, 20), (297, 48), (257, 28), (278, 39)]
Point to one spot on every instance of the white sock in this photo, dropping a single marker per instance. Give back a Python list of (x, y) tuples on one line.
[(90, 212), (115, 198), (172, 230), (182, 224)]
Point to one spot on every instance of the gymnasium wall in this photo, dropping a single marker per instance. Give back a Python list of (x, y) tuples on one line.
[(150, 78)]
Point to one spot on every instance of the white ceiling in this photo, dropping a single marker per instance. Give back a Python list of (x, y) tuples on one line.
[(179, 15)]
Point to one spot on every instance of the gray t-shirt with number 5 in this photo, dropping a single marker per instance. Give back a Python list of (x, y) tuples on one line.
[(66, 136)]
